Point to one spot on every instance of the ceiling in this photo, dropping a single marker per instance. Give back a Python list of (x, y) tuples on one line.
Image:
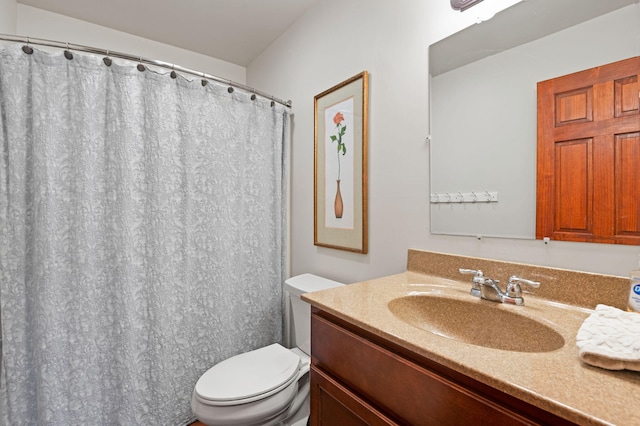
[(523, 22), (235, 31)]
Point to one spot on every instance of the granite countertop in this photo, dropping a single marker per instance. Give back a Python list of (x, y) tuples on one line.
[(556, 381)]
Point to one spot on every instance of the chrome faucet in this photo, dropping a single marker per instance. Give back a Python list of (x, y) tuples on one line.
[(491, 291), (488, 289)]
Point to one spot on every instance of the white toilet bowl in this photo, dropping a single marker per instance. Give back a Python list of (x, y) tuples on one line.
[(261, 387), (267, 386)]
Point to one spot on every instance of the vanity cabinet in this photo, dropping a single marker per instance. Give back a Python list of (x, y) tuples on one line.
[(359, 378)]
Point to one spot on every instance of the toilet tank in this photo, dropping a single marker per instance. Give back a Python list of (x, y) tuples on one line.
[(300, 311)]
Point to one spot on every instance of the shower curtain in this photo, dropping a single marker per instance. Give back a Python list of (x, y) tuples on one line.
[(142, 237)]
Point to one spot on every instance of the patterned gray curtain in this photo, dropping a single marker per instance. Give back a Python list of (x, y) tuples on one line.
[(142, 237)]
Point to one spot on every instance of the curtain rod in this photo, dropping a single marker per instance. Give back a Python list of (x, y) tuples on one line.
[(139, 59)]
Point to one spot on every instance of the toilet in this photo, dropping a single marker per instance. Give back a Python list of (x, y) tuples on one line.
[(266, 386)]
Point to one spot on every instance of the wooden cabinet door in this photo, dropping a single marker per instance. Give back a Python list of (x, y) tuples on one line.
[(333, 404), (588, 185)]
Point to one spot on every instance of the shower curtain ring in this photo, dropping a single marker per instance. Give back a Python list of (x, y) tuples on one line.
[(67, 53), (107, 60), (204, 81), (253, 96), (173, 71), (140, 66), (27, 49)]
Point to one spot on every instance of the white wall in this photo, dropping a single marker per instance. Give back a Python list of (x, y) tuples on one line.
[(38, 23), (338, 39), (8, 13)]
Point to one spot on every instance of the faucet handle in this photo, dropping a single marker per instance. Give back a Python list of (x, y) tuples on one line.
[(478, 279), (477, 273), (514, 289)]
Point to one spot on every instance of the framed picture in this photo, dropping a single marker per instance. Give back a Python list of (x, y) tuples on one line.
[(340, 161)]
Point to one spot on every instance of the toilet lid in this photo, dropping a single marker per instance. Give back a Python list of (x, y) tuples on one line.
[(249, 376)]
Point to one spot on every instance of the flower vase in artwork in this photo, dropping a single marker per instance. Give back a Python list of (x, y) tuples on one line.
[(337, 204)]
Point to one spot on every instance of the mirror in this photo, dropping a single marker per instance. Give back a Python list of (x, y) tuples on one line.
[(483, 105)]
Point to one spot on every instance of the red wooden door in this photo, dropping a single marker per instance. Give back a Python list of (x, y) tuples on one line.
[(588, 185)]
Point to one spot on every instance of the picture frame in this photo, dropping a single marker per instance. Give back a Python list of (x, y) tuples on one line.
[(340, 165)]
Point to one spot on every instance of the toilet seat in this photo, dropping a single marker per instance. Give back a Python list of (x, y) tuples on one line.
[(264, 412), (249, 377)]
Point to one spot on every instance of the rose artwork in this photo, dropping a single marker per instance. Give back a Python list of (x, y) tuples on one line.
[(341, 149)]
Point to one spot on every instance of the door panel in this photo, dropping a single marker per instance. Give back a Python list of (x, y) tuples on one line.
[(627, 185), (575, 106), (627, 101), (574, 185)]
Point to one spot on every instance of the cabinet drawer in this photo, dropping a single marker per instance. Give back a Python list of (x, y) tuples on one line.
[(333, 404), (399, 388)]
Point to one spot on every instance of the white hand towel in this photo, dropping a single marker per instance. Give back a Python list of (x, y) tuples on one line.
[(610, 338)]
